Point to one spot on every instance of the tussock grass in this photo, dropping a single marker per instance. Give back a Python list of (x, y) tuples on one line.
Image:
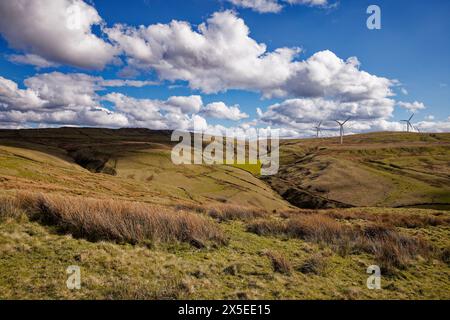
[(316, 264), (265, 227), (9, 209), (279, 262), (226, 212), (120, 221), (391, 249), (406, 220)]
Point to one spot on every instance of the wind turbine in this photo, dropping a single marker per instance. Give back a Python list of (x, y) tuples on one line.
[(341, 128), (408, 123), (318, 129)]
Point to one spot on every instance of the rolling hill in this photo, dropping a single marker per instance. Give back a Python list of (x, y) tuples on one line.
[(127, 163), (112, 203), (388, 169)]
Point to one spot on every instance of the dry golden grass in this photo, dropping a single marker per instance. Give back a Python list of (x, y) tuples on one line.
[(279, 262), (119, 221), (391, 249), (411, 220), (225, 212), (316, 228), (9, 209)]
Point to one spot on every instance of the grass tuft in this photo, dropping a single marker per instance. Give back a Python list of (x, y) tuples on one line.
[(391, 249), (279, 263), (120, 221), (226, 212), (404, 220), (316, 264), (9, 209)]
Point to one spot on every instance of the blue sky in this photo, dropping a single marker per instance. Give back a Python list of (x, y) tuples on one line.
[(412, 48)]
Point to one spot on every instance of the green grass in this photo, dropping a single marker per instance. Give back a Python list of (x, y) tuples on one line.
[(34, 260)]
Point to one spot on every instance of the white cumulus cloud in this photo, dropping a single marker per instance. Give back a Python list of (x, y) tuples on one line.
[(220, 110), (54, 32), (274, 6), (412, 106), (220, 55)]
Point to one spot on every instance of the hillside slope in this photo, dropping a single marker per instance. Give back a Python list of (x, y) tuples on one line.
[(378, 169), (132, 164), (112, 203)]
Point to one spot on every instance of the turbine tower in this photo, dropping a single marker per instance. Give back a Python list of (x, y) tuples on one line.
[(318, 129), (341, 128), (409, 126)]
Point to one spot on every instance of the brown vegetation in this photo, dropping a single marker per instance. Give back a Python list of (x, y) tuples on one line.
[(225, 212), (406, 220), (316, 264), (279, 262), (390, 248), (120, 221), (9, 209)]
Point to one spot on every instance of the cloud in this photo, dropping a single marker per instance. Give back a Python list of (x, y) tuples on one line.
[(274, 6), (74, 89), (220, 55), (434, 126), (326, 75), (412, 106), (11, 95), (57, 98), (217, 56), (31, 59), (295, 113), (127, 83), (190, 104), (262, 6), (55, 32), (75, 99), (157, 114), (220, 110)]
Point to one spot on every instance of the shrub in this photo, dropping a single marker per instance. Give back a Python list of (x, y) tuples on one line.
[(120, 221)]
